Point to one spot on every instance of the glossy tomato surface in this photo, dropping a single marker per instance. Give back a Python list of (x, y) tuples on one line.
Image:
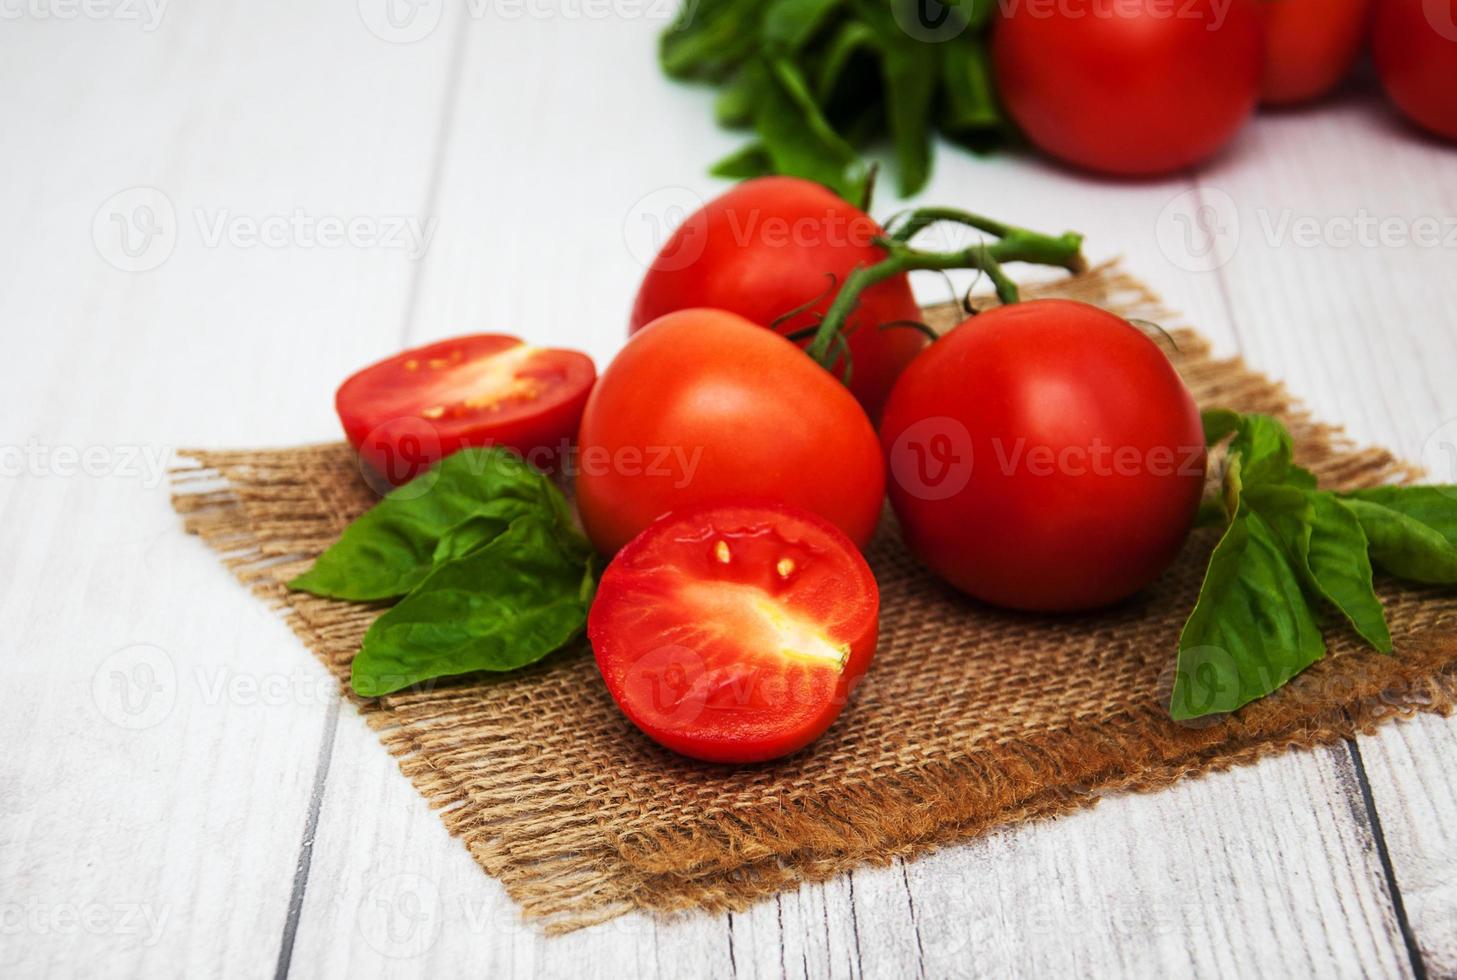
[(703, 405), (407, 412), (1310, 46), (735, 633), (1414, 44), (1129, 87), (1044, 456), (774, 244)]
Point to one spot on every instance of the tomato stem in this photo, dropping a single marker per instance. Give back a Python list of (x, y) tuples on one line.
[(1013, 244)]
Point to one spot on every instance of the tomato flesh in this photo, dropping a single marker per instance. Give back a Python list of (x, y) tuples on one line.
[(405, 413), (1045, 456), (735, 633)]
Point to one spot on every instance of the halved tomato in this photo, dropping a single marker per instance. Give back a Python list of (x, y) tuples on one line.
[(735, 633), (409, 411)]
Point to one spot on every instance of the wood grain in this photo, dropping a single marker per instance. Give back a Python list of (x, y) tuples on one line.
[(546, 147)]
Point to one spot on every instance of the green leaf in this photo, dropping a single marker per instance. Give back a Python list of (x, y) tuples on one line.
[(790, 24), (1219, 423), (1403, 544), (969, 99), (1251, 630), (506, 605), (851, 38), (1434, 506), (1342, 568), (1326, 544), (798, 138), (751, 160), (710, 38), (734, 108), (1265, 448), (910, 84), (468, 498)]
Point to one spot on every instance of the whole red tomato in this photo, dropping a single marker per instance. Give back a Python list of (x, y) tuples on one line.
[(704, 406), (1310, 46), (1129, 87), (774, 244), (1415, 47), (735, 633), (1044, 456)]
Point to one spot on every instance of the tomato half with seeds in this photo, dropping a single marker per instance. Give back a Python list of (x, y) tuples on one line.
[(736, 632), (407, 412)]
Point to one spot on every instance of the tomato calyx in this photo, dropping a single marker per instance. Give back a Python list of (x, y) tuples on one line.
[(1013, 244)]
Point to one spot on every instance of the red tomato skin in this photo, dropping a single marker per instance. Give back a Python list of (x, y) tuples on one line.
[(1310, 45), (723, 408), (1414, 45), (385, 425), (854, 597), (1031, 528), (771, 245), (1119, 88)]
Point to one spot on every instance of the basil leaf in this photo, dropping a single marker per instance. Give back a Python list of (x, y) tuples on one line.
[(799, 140), (468, 498), (506, 605), (1264, 447), (734, 107), (852, 37), (1404, 545), (1342, 569), (1251, 630), (970, 110), (1219, 423), (1434, 506), (791, 23), (910, 85), (710, 38), (1326, 543), (749, 161)]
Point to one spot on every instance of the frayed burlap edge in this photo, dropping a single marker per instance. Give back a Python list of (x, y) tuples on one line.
[(564, 867)]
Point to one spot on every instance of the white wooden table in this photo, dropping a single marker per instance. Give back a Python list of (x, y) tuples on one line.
[(180, 791)]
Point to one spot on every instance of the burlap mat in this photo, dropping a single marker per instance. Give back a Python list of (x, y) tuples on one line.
[(970, 717)]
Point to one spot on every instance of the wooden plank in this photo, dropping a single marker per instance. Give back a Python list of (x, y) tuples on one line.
[(1348, 295), (162, 749), (1274, 892)]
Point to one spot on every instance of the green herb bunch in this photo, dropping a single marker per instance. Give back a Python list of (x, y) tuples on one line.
[(1290, 554), (489, 569), (819, 80)]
